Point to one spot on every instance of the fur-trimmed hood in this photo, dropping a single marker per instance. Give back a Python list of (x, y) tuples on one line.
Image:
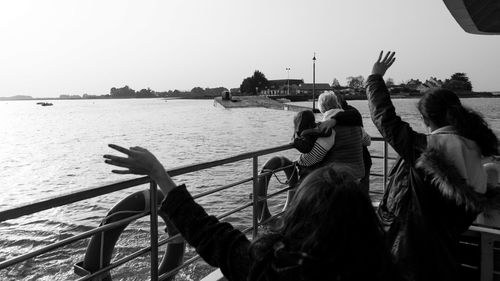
[(452, 185)]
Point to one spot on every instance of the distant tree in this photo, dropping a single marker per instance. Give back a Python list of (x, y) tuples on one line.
[(389, 82), (197, 90), (355, 82), (260, 80), (124, 92), (247, 86), (458, 82), (257, 82), (336, 84), (413, 84), (215, 92), (146, 93)]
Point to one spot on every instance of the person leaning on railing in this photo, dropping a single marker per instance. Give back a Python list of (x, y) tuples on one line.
[(330, 231), (438, 186)]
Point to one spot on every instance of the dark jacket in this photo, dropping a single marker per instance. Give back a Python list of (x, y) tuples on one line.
[(426, 205), (220, 245)]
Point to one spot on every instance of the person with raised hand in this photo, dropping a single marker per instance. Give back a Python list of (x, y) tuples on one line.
[(437, 186), (329, 232)]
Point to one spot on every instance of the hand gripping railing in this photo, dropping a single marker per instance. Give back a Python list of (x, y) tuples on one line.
[(80, 195)]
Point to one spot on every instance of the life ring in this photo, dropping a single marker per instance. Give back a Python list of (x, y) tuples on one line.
[(132, 204), (273, 164), (492, 169)]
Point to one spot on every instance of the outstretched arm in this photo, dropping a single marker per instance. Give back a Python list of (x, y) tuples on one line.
[(218, 243), (395, 131)]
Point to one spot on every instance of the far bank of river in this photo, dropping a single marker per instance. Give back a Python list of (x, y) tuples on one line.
[(208, 97)]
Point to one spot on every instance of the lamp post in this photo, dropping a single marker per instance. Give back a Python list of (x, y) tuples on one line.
[(288, 81), (314, 80)]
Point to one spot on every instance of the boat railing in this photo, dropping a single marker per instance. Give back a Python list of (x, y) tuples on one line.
[(80, 195)]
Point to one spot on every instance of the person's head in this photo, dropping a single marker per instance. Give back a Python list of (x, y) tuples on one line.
[(328, 100), (303, 120), (441, 107), (342, 101), (330, 228)]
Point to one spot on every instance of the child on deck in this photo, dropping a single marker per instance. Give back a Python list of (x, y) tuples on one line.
[(314, 140)]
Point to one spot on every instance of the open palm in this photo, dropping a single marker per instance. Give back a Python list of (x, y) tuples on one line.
[(381, 65)]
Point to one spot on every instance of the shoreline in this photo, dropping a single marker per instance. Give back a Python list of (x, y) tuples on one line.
[(211, 98)]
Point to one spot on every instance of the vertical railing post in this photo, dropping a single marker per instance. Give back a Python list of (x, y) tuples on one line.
[(386, 163), (154, 230), (255, 197)]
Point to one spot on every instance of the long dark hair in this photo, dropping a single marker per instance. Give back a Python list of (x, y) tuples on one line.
[(303, 120), (443, 108), (330, 232)]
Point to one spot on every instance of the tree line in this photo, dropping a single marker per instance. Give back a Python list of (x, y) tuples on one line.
[(458, 82), (126, 92), (252, 85)]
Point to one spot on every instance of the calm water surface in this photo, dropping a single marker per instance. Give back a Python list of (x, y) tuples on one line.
[(47, 151)]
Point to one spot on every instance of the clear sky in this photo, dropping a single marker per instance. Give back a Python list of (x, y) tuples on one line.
[(49, 48)]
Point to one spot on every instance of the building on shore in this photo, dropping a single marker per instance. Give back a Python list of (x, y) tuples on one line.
[(282, 87), (307, 88)]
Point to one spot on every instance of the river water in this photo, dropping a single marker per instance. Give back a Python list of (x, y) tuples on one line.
[(48, 151)]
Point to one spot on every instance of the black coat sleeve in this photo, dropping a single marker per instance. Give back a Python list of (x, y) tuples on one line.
[(399, 134), (349, 117), (218, 243)]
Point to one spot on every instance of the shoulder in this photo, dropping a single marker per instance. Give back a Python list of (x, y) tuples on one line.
[(447, 178)]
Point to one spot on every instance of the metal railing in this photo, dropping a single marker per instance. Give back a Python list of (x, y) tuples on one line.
[(76, 196)]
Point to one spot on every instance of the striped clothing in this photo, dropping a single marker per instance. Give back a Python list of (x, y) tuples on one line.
[(318, 152)]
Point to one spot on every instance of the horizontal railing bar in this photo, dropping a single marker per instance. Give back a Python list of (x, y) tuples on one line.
[(274, 194), (69, 240), (275, 170), (169, 239), (199, 195), (75, 196), (117, 263), (201, 166), (235, 210), (382, 157), (376, 175), (173, 271)]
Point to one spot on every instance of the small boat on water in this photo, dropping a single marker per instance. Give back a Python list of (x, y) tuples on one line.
[(45, 103)]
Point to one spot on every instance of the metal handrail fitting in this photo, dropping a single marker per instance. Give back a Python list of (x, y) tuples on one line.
[(80, 195)]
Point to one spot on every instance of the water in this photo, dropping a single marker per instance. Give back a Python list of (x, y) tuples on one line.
[(47, 151)]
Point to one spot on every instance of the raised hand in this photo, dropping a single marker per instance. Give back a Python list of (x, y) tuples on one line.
[(139, 162), (381, 66)]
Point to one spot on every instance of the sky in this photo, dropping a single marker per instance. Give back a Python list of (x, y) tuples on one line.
[(55, 47)]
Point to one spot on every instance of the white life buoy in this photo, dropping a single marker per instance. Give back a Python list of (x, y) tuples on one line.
[(98, 254)]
